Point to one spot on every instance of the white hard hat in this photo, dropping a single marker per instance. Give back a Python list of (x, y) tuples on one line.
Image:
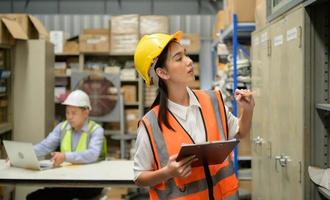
[(78, 98)]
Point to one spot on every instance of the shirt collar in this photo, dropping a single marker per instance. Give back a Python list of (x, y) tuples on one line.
[(83, 129), (180, 110)]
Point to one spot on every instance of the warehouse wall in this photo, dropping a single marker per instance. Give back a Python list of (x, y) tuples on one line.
[(113, 7)]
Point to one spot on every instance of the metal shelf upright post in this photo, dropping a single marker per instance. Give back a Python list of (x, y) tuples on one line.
[(234, 103), (234, 32)]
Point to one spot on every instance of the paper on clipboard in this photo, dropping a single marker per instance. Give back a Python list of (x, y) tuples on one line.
[(210, 152)]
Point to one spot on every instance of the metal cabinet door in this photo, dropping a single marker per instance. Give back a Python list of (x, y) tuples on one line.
[(278, 108), (260, 144), (292, 101), (287, 119)]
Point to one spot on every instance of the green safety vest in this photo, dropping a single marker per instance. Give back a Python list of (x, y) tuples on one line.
[(83, 141)]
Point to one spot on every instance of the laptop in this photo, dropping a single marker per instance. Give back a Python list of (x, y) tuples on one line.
[(22, 155)]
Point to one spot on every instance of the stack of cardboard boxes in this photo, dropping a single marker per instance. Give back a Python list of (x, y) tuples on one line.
[(124, 33), (121, 39)]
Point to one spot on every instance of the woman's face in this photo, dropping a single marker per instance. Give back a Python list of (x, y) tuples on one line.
[(179, 67)]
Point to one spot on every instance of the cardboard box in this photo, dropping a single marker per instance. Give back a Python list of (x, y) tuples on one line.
[(31, 25), (123, 43), (10, 30), (261, 14), (97, 41), (124, 24), (153, 24), (112, 70), (129, 93), (71, 45), (191, 42), (219, 23), (132, 117), (128, 74), (244, 9)]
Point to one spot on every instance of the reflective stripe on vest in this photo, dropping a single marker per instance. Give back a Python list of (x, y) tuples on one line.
[(234, 196), (195, 183), (66, 140), (215, 106), (197, 186)]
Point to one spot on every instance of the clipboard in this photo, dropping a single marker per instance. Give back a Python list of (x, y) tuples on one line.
[(210, 153)]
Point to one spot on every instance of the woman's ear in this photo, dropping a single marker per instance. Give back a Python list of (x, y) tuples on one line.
[(162, 73)]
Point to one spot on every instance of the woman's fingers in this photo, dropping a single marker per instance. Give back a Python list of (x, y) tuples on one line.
[(186, 160)]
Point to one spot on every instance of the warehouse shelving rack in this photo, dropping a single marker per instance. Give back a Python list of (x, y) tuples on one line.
[(235, 32), (6, 125)]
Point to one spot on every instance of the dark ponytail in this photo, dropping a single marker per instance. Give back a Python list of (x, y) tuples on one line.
[(162, 94)]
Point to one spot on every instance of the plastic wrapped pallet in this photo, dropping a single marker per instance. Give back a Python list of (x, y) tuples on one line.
[(153, 24), (58, 39)]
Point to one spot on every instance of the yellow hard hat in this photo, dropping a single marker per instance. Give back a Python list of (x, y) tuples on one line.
[(149, 48)]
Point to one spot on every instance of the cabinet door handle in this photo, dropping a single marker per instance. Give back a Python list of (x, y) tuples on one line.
[(269, 47), (258, 140), (283, 160), (300, 36)]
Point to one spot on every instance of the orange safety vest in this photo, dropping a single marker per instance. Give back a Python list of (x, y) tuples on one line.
[(166, 143)]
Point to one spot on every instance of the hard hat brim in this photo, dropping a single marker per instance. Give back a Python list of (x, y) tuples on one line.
[(177, 35)]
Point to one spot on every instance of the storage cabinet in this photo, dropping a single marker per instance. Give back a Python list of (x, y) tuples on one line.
[(278, 132)]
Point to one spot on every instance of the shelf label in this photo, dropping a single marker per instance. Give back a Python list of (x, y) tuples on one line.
[(291, 34), (256, 41), (264, 37), (278, 40)]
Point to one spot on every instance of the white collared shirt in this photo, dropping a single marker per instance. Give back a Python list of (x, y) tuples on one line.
[(191, 120)]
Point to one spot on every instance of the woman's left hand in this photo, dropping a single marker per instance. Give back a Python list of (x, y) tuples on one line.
[(245, 99)]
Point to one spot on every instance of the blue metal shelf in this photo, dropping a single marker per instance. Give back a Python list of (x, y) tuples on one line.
[(234, 32), (243, 30)]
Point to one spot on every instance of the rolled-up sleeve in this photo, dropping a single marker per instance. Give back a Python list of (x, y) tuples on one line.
[(93, 151)]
